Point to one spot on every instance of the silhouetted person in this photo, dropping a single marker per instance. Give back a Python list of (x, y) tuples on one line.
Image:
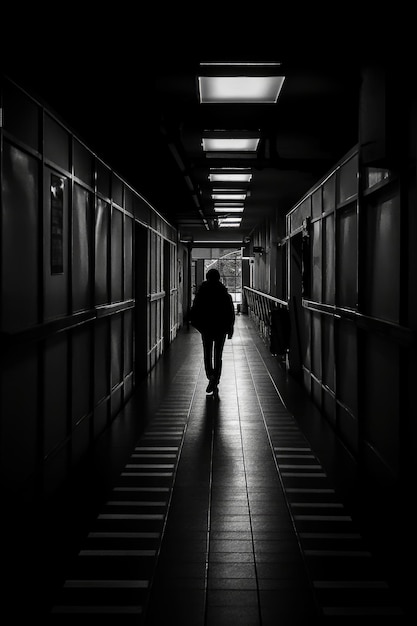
[(213, 315)]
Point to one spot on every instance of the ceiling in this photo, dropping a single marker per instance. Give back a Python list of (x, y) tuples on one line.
[(146, 122)]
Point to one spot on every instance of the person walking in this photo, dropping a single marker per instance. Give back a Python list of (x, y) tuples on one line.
[(213, 315)]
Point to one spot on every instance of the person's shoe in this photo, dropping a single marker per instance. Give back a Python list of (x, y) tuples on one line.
[(211, 386)]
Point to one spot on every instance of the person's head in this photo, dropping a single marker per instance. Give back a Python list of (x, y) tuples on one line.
[(213, 275)]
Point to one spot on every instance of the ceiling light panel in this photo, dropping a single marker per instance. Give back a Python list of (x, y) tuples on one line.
[(248, 144), (228, 209), (228, 196), (239, 89), (230, 178)]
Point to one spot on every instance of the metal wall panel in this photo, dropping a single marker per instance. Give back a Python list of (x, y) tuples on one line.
[(81, 249), (347, 364), (316, 345), (116, 256), (316, 252), (128, 342), (20, 240), (382, 274), (19, 443), (347, 257), (55, 417), (22, 116), (56, 143), (101, 360), (328, 361), (56, 240), (116, 358), (348, 180), (83, 164), (128, 260), (101, 252), (81, 354), (381, 399), (329, 260)]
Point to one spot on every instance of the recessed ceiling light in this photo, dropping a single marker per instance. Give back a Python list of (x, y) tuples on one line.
[(248, 144), (228, 196), (230, 178), (239, 89), (228, 210)]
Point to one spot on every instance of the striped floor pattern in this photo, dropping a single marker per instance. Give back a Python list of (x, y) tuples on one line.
[(267, 521)]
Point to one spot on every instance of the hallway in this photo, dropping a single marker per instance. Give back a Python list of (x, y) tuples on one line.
[(220, 511)]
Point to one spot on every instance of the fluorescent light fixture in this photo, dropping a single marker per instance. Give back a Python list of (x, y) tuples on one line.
[(236, 207), (228, 196), (228, 190), (230, 145), (230, 178), (211, 241), (228, 209), (239, 89)]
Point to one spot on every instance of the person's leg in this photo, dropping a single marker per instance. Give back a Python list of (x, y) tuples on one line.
[(208, 355), (218, 352)]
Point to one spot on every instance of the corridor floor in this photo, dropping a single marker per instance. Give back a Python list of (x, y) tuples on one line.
[(221, 512)]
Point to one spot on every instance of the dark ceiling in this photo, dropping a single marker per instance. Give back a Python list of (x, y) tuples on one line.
[(145, 121)]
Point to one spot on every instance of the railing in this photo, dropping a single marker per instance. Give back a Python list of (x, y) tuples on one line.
[(262, 308)]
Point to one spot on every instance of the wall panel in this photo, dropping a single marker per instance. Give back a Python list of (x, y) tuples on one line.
[(101, 247), (116, 358), (19, 240), (101, 360), (381, 399), (116, 256), (76, 295), (81, 249), (55, 392), (347, 253), (81, 355), (56, 241), (316, 251), (347, 364), (56, 143), (329, 260), (19, 441), (382, 274), (128, 259)]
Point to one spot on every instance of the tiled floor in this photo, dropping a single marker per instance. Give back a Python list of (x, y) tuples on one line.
[(220, 512)]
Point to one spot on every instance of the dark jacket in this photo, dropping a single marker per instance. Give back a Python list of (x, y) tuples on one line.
[(213, 312)]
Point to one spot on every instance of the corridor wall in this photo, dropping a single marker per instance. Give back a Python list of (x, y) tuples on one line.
[(86, 309)]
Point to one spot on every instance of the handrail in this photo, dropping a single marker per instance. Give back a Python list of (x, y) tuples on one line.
[(267, 295)]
